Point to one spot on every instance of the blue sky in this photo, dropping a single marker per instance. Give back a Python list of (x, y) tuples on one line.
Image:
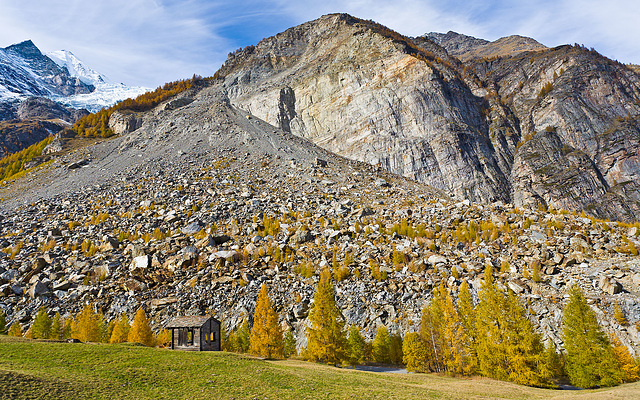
[(149, 42)]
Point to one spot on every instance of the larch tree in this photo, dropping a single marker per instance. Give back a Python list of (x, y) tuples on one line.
[(86, 325), (326, 341), (507, 346), (266, 335), (41, 327), (290, 348), (140, 331), (355, 346), (414, 353), (382, 346), (628, 365), (3, 322), (15, 330), (590, 360), (466, 313), (395, 348), (121, 329), (57, 328)]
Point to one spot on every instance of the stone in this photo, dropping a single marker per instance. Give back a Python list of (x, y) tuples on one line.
[(139, 264), (381, 183), (302, 236), (609, 285), (230, 255), (436, 259), (192, 228), (38, 289)]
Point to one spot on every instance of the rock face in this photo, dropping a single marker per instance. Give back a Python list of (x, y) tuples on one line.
[(370, 94)]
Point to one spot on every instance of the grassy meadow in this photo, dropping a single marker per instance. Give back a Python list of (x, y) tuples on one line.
[(32, 369)]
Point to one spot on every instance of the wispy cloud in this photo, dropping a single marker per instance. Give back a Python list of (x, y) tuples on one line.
[(152, 41)]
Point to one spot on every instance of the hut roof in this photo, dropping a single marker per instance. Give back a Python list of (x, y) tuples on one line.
[(194, 321)]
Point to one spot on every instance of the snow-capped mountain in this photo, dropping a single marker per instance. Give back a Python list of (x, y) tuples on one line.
[(60, 76), (77, 68), (106, 93), (25, 71)]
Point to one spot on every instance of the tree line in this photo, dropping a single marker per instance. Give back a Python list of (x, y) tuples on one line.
[(89, 325)]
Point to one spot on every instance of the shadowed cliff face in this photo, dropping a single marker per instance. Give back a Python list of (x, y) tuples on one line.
[(370, 94)]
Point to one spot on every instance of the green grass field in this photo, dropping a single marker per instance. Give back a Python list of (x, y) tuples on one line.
[(48, 370)]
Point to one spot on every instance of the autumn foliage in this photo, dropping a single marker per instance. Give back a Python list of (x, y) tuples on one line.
[(266, 335)]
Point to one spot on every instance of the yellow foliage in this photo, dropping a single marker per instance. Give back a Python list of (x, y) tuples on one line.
[(266, 335), (140, 330)]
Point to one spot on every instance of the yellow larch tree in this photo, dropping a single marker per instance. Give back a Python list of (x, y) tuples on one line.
[(86, 325), (266, 335), (121, 329), (140, 331)]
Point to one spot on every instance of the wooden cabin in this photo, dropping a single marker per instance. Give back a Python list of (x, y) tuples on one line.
[(195, 333)]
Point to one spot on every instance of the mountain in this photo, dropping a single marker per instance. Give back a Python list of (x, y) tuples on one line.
[(106, 92), (201, 199), (468, 48), (25, 71), (529, 125)]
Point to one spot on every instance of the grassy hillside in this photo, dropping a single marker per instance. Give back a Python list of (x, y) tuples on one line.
[(47, 370)]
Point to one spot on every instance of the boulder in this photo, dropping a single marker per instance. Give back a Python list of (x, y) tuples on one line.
[(38, 289), (610, 285)]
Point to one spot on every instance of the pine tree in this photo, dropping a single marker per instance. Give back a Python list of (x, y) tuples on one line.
[(266, 335), (382, 346), (326, 337), (140, 331), (431, 330), (507, 346), (3, 322), (121, 330), (629, 367), (86, 326), (56, 328), (290, 348), (590, 357), (163, 338), (355, 346), (414, 353), (41, 327), (15, 330), (242, 337)]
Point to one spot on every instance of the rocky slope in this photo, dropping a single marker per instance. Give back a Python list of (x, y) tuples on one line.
[(370, 94), (197, 203)]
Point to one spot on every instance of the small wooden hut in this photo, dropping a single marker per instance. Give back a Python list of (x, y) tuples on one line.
[(195, 333)]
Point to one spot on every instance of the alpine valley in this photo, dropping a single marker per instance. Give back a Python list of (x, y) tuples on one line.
[(400, 164)]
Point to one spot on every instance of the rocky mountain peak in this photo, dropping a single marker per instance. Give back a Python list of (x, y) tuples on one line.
[(467, 48)]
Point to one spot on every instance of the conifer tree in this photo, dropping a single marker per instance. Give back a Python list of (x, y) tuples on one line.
[(382, 346), (86, 326), (431, 330), (326, 337), (163, 338), (3, 322), (466, 313), (290, 345), (15, 330), (266, 335), (121, 329), (414, 353), (68, 328), (57, 328), (629, 367), (507, 346), (140, 331), (355, 346), (590, 358), (395, 349), (242, 337), (618, 314), (41, 327)]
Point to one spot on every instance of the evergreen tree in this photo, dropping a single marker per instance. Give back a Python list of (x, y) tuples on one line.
[(266, 335), (355, 346), (629, 367), (590, 357), (618, 314), (68, 328), (15, 330), (507, 346), (41, 327), (3, 322), (466, 314), (326, 337), (431, 330), (86, 326), (395, 349), (140, 331), (290, 348), (242, 337), (121, 330), (57, 328), (382, 346), (414, 353), (163, 339)]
